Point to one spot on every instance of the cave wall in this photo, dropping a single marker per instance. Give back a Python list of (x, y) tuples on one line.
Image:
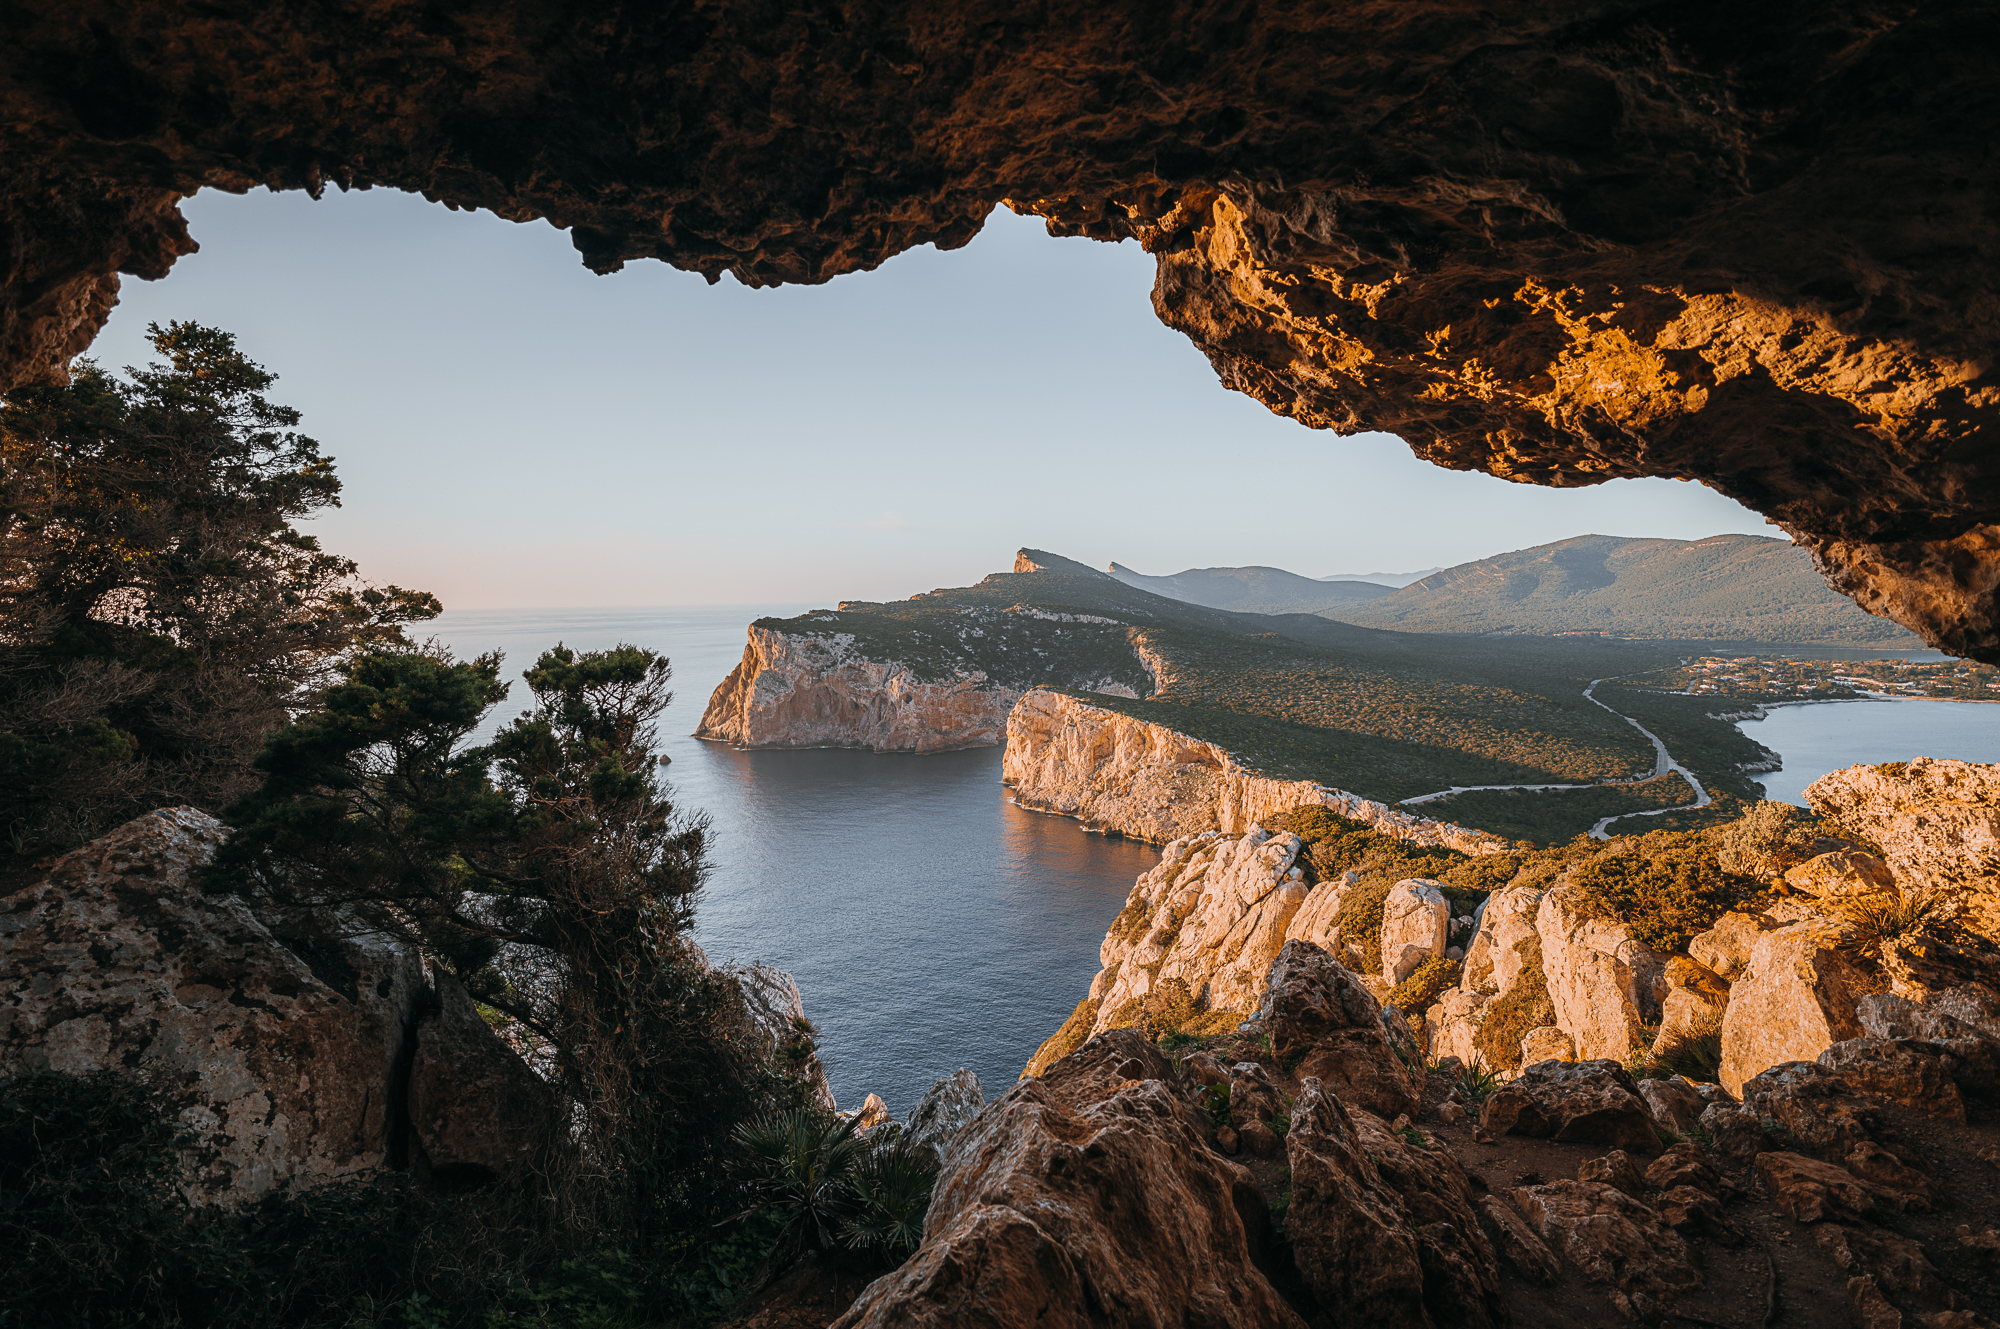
[(1561, 242)]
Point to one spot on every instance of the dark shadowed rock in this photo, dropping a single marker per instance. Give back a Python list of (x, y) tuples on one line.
[(1911, 1073), (1380, 1228), (1583, 1102), (1088, 1196), (1319, 1013), (1614, 1169), (1612, 1239), (277, 1044), (1520, 1245), (1810, 1190), (1814, 1105), (944, 1112), (475, 1108)]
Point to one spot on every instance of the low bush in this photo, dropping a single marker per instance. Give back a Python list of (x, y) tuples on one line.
[(1667, 885), (1482, 875), (834, 1189), (1360, 919), (1423, 987), (1887, 917), (1768, 838), (1524, 1006), (1336, 844), (1696, 1054)]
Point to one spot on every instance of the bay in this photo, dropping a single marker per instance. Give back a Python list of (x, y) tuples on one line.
[(1817, 737), (930, 923)]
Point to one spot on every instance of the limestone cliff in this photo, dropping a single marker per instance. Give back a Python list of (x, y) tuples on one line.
[(937, 671), (1148, 782), (1937, 822), (794, 691)]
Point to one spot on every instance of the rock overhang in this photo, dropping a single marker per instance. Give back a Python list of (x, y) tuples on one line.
[(1557, 242)]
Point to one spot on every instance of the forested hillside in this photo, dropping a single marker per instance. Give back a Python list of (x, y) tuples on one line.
[(1734, 587), (1388, 715)]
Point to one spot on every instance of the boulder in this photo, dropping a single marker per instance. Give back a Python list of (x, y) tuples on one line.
[(1614, 1169), (1725, 949), (1546, 1043), (1673, 1103), (1937, 823), (1520, 1245), (1614, 1240), (873, 1112), (1696, 998), (1796, 999), (1683, 1165), (1689, 1210), (778, 1013), (1454, 1022), (1605, 983), (1380, 1229), (476, 1112), (1840, 875), (1092, 1186), (1889, 1275), (944, 1112), (1318, 1011), (1493, 961), (1735, 1133), (1942, 958), (1212, 915), (1814, 1105), (1416, 923), (1911, 1073), (277, 1046), (1318, 919), (1971, 1055), (1810, 1191), (1585, 1102)]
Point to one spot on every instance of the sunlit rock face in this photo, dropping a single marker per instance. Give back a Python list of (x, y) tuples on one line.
[(1562, 242)]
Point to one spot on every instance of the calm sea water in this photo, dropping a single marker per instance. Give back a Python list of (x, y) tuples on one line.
[(1817, 737), (930, 923)]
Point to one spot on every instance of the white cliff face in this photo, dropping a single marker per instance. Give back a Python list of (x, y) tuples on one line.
[(1152, 783), (1938, 823), (1213, 914), (1415, 923), (1605, 983), (796, 691)]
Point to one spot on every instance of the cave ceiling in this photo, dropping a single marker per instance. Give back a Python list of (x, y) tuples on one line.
[(1750, 245)]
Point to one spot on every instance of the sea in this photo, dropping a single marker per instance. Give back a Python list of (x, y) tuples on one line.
[(930, 923)]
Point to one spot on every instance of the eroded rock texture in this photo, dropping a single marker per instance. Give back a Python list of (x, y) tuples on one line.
[(1562, 241)]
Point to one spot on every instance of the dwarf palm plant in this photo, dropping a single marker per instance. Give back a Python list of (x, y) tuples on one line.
[(801, 1164)]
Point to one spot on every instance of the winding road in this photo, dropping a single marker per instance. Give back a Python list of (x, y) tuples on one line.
[(1663, 763)]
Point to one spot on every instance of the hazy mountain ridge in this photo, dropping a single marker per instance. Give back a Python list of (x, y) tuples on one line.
[(1253, 590)]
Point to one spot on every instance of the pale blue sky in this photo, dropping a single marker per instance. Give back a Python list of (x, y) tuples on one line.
[(516, 432)]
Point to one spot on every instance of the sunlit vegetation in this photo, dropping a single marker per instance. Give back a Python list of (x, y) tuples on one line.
[(1549, 816)]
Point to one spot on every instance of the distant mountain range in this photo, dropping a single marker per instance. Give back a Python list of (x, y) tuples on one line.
[(1395, 579), (1256, 590), (1727, 587)]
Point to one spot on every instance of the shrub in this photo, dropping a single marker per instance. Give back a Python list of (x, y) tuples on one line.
[(835, 1189), (1482, 875), (1524, 1006), (1336, 844), (1880, 918), (1696, 1054), (1768, 838), (1667, 885), (1476, 1081), (1074, 1033), (1361, 919), (1215, 1101), (1426, 985)]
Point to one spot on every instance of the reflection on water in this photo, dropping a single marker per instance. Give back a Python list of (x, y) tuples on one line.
[(929, 922), (1818, 737)]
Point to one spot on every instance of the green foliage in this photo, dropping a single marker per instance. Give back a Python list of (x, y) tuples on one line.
[(834, 1189), (1696, 1054), (1215, 1101), (1886, 917), (159, 608), (1767, 838), (1360, 919), (1480, 876), (1416, 993), (554, 841), (1522, 1007), (1475, 1080), (1075, 1032), (1414, 1138), (1552, 816), (1668, 886)]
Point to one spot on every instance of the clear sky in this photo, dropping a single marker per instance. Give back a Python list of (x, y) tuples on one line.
[(516, 432)]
